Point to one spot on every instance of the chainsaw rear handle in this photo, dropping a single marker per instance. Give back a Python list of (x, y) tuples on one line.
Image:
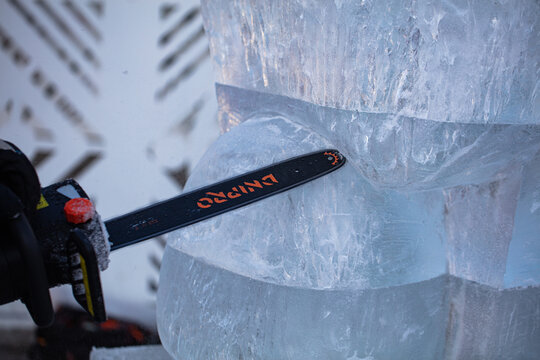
[(46, 240), (49, 251), (36, 297), (22, 270)]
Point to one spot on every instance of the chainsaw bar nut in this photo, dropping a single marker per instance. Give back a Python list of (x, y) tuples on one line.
[(79, 210)]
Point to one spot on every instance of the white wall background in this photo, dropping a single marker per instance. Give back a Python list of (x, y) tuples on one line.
[(126, 135)]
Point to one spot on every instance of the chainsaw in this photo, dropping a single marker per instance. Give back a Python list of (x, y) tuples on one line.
[(66, 242)]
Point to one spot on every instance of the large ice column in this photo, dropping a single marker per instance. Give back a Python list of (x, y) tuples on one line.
[(425, 244)]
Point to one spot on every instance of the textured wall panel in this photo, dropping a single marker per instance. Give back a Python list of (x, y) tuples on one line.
[(118, 95)]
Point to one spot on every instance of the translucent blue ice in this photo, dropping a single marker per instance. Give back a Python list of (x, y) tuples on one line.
[(425, 244)]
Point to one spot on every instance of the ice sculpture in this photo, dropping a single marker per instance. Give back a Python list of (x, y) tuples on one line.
[(426, 245)]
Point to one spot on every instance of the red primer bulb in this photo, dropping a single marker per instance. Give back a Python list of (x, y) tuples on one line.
[(79, 210)]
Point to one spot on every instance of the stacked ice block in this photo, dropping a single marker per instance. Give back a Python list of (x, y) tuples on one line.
[(426, 245)]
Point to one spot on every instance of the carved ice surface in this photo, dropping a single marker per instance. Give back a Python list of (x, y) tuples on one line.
[(207, 312), (426, 244), (334, 232), (367, 266), (394, 151), (454, 60)]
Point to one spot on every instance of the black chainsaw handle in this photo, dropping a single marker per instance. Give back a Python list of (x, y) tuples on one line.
[(37, 298), (26, 266)]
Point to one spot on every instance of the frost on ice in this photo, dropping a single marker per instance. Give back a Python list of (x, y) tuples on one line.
[(426, 244)]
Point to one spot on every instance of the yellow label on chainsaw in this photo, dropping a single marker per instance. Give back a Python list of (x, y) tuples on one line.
[(42, 203)]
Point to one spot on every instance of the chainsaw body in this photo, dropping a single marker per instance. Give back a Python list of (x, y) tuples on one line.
[(67, 252)]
